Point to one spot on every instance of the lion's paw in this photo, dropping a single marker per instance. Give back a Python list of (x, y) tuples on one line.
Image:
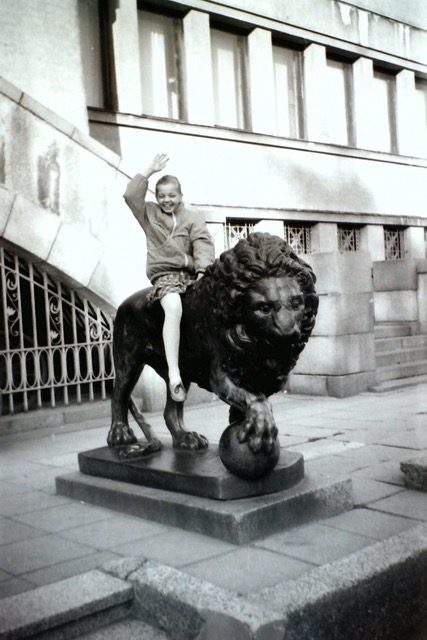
[(120, 434), (190, 440)]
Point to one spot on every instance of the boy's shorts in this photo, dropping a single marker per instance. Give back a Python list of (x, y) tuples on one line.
[(174, 282)]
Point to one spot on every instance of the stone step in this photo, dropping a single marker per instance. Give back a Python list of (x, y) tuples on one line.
[(403, 342), (417, 368), (399, 383), (67, 608), (401, 356), (392, 329)]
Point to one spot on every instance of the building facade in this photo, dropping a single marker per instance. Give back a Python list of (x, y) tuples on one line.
[(304, 118)]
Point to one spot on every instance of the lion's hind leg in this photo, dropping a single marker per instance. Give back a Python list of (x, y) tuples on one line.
[(174, 419)]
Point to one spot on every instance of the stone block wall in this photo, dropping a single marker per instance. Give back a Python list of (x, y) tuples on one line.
[(339, 358)]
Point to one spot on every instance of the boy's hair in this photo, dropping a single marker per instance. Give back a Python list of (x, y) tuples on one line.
[(167, 179)]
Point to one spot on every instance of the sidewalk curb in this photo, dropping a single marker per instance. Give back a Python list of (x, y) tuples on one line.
[(376, 592)]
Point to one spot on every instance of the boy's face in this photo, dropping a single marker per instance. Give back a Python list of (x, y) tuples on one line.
[(168, 197)]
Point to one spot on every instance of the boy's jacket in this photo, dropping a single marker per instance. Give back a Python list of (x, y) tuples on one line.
[(175, 241)]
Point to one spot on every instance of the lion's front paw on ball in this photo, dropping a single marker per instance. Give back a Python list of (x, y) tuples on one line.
[(241, 460)]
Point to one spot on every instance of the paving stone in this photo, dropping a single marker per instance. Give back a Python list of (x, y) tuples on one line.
[(14, 586), (29, 555), (8, 489), (411, 504), (385, 472), (248, 569), (29, 501), (366, 491), (12, 531), (70, 568), (106, 534), (65, 516), (370, 523), (4, 575), (176, 548), (315, 543), (321, 448), (45, 607)]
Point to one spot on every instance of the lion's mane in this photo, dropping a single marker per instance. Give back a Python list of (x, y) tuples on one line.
[(223, 290)]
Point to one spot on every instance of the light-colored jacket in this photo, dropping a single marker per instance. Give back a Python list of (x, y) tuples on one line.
[(176, 241)]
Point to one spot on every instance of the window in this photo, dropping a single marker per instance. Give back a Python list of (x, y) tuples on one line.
[(159, 46), (228, 51), (298, 237), (236, 230), (90, 37), (348, 237), (287, 78), (338, 113), (382, 113), (420, 116), (394, 243)]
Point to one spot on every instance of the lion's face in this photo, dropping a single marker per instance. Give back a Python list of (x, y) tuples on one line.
[(275, 308)]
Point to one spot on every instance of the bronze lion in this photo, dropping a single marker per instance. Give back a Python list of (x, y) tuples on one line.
[(244, 325)]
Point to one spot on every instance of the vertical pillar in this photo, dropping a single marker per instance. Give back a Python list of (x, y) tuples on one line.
[(324, 237), (414, 242), (405, 108), (314, 91), (372, 241), (216, 229), (198, 69), (126, 56), (261, 82), (363, 74)]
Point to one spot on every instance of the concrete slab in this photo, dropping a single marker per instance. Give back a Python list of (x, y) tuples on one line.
[(68, 569), (235, 521), (63, 602), (11, 531), (411, 504), (315, 543), (199, 473), (370, 523), (62, 517), (126, 630)]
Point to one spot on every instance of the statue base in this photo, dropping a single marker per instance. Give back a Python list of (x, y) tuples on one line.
[(199, 473), (235, 521)]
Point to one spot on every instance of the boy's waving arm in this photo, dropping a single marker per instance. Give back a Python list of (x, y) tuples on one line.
[(137, 188)]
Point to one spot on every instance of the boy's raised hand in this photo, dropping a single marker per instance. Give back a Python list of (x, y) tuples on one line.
[(159, 162)]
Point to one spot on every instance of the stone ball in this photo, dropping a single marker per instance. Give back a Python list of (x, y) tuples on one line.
[(239, 458)]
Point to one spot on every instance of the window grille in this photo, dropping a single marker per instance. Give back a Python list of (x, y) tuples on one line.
[(393, 243), (298, 237), (348, 237), (55, 345), (237, 230)]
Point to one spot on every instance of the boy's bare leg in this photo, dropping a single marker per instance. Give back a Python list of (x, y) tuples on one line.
[(172, 307)]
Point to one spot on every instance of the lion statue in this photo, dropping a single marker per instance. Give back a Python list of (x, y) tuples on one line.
[(244, 324)]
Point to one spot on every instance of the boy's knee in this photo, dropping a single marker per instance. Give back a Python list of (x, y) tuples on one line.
[(172, 302)]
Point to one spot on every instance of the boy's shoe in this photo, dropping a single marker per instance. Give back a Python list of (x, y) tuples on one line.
[(177, 392)]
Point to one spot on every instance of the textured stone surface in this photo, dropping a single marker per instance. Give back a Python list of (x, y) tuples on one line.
[(183, 604), (199, 473), (237, 521), (51, 606), (378, 592), (415, 472)]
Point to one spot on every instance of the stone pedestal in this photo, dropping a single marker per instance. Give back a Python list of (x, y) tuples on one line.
[(235, 521), (199, 473)]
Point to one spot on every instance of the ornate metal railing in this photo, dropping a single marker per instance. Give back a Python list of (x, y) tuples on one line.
[(55, 345), (299, 237), (348, 237), (394, 243)]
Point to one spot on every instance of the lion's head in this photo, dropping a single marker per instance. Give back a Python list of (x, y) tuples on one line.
[(265, 303)]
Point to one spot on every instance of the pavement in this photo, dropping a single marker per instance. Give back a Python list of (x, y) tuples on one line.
[(46, 537)]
